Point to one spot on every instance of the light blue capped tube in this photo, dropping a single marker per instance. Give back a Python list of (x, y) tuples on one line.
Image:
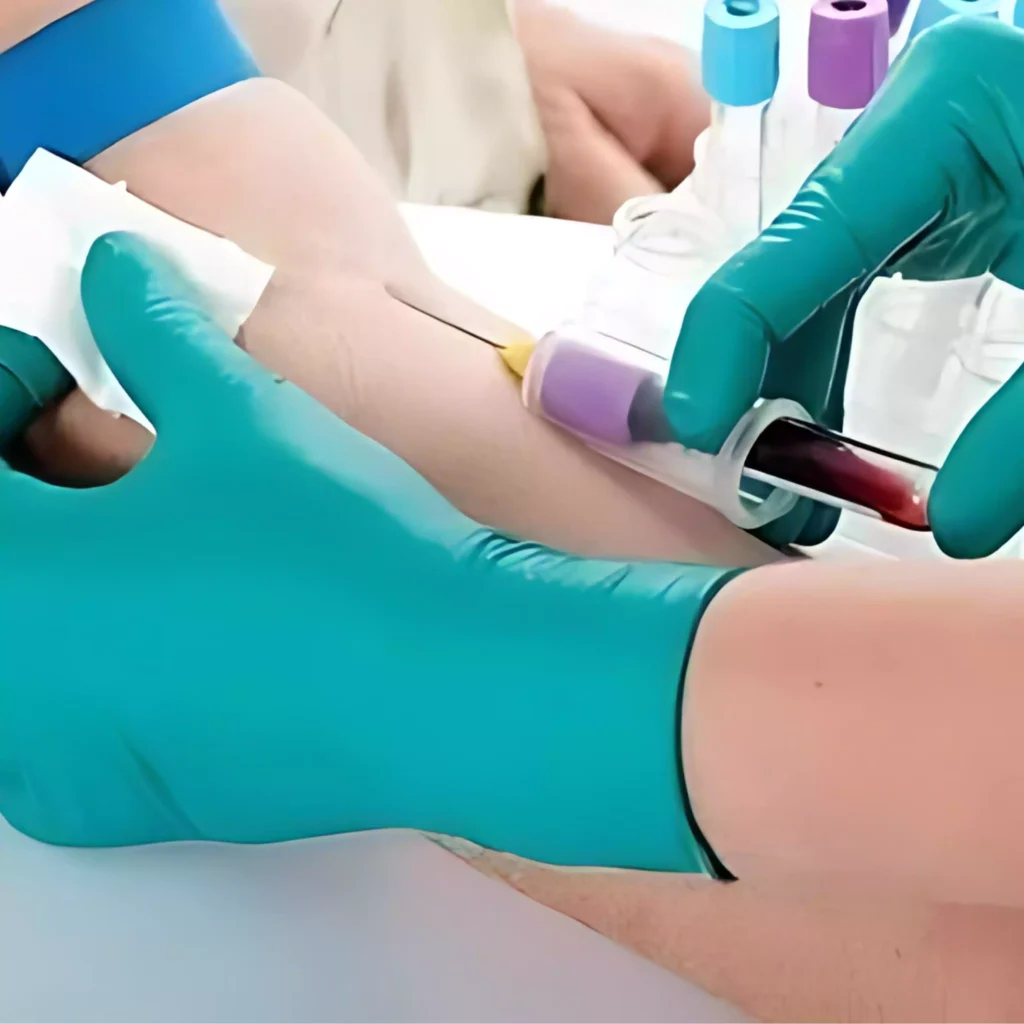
[(931, 12), (1018, 14), (740, 60)]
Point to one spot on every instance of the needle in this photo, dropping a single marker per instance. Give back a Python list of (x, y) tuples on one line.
[(516, 354), (423, 307)]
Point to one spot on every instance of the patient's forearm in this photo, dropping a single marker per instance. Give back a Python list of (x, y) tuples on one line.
[(864, 721), (20, 19), (260, 165), (590, 173), (786, 953)]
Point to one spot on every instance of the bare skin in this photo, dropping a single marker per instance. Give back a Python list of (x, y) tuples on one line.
[(21, 18), (894, 718), (619, 113), (798, 954), (858, 769), (231, 164)]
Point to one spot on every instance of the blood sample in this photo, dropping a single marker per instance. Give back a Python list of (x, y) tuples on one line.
[(821, 464)]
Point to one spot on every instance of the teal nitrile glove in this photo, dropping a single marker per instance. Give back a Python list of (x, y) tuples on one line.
[(930, 182), (275, 628), (30, 378)]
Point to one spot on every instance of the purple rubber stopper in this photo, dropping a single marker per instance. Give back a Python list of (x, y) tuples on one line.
[(848, 52), (590, 393), (897, 9)]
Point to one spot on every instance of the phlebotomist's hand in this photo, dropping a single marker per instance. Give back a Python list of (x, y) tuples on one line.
[(930, 182), (274, 628)]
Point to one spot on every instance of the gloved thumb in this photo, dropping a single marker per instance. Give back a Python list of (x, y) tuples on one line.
[(977, 503), (178, 366)]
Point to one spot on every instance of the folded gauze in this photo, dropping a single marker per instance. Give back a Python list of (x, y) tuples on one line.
[(49, 219)]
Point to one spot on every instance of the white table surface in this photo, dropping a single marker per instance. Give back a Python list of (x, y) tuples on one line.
[(370, 927)]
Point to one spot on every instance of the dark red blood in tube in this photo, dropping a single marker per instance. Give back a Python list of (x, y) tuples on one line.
[(805, 455)]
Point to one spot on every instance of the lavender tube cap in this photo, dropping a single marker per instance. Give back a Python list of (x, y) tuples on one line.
[(848, 54), (590, 394)]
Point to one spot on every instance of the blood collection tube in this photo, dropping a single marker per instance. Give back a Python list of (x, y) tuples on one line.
[(931, 12), (818, 463), (740, 69), (847, 59), (1018, 14), (612, 397)]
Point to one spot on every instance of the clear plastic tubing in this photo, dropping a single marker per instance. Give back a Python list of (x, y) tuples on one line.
[(847, 60), (740, 69), (931, 12), (611, 395)]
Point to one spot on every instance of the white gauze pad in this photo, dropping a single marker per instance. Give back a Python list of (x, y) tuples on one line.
[(49, 219)]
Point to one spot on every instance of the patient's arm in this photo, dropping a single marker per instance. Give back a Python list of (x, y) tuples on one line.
[(619, 112), (797, 953), (850, 738), (21, 18), (865, 729), (259, 164)]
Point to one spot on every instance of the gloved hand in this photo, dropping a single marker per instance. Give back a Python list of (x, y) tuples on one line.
[(274, 628), (930, 182), (30, 378)]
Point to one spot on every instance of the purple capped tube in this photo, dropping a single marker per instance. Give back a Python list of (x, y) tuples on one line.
[(848, 58), (611, 395)]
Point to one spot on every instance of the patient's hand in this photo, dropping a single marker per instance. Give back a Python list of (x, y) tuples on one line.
[(619, 113)]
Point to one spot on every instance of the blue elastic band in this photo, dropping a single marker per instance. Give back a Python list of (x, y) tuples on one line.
[(109, 69)]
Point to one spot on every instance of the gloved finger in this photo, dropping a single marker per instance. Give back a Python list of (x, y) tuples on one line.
[(977, 502), (882, 187), (820, 524), (811, 367), (807, 524), (177, 365), (782, 532), (31, 377), (814, 374)]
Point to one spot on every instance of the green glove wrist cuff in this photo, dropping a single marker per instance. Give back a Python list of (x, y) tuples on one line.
[(562, 752), (601, 781)]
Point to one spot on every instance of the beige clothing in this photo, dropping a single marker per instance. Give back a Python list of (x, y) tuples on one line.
[(434, 93)]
